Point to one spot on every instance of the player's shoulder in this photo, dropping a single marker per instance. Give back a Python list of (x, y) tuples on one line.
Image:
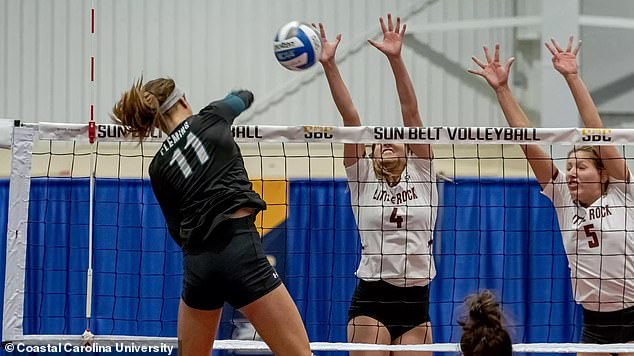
[(617, 192), (420, 166), (360, 164), (204, 120), (413, 159), (163, 155)]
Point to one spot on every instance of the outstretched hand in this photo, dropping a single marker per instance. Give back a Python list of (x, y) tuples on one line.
[(328, 49), (392, 37), (565, 62), (496, 74)]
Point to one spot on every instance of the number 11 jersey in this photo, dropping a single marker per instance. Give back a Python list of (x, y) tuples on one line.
[(198, 174)]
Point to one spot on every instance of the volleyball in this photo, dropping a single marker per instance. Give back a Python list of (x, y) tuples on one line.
[(297, 46)]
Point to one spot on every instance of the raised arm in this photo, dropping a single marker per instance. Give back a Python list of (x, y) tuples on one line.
[(565, 62), (340, 94), (230, 106), (391, 47), (497, 76)]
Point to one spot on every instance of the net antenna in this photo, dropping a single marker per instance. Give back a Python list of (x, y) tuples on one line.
[(87, 336)]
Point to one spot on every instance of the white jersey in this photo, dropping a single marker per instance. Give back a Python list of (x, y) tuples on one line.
[(599, 243), (395, 223)]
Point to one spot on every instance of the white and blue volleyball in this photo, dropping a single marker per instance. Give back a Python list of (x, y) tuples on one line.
[(297, 46)]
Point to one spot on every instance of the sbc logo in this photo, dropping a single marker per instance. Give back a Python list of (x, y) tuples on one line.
[(318, 132), (596, 135)]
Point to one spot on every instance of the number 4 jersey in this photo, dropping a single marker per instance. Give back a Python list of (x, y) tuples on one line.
[(198, 174), (395, 223), (599, 243)]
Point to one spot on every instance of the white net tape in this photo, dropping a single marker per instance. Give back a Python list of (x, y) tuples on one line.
[(245, 345), (368, 134)]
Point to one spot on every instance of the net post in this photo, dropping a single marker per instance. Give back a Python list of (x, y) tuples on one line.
[(16, 243)]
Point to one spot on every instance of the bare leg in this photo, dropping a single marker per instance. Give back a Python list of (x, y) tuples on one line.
[(196, 330), (418, 335), (278, 322), (366, 330)]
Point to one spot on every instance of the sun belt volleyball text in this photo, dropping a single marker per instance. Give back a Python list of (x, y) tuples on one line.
[(435, 133), (457, 133)]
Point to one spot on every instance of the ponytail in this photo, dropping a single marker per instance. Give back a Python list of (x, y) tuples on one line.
[(138, 108), (483, 332)]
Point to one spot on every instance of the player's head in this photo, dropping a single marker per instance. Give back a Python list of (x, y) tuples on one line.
[(389, 158), (153, 104), (483, 332), (586, 175)]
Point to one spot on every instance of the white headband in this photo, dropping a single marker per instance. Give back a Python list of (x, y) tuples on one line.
[(174, 96)]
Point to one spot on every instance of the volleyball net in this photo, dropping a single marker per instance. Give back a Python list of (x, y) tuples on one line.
[(87, 247)]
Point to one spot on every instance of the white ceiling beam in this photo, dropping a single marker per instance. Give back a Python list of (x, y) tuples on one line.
[(484, 24), (519, 21), (606, 22)]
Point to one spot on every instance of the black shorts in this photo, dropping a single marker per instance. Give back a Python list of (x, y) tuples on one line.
[(400, 309), (608, 327), (232, 267)]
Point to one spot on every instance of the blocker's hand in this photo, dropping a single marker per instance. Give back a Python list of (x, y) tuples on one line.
[(496, 74), (565, 62), (328, 49), (392, 37)]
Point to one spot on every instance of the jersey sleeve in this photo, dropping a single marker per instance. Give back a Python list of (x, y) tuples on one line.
[(425, 167), (358, 172), (623, 187), (557, 191), (421, 170), (229, 107)]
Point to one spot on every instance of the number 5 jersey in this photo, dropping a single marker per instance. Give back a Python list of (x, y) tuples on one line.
[(198, 174), (599, 244), (395, 223)]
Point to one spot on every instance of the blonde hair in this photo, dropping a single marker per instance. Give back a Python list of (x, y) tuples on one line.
[(138, 108)]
